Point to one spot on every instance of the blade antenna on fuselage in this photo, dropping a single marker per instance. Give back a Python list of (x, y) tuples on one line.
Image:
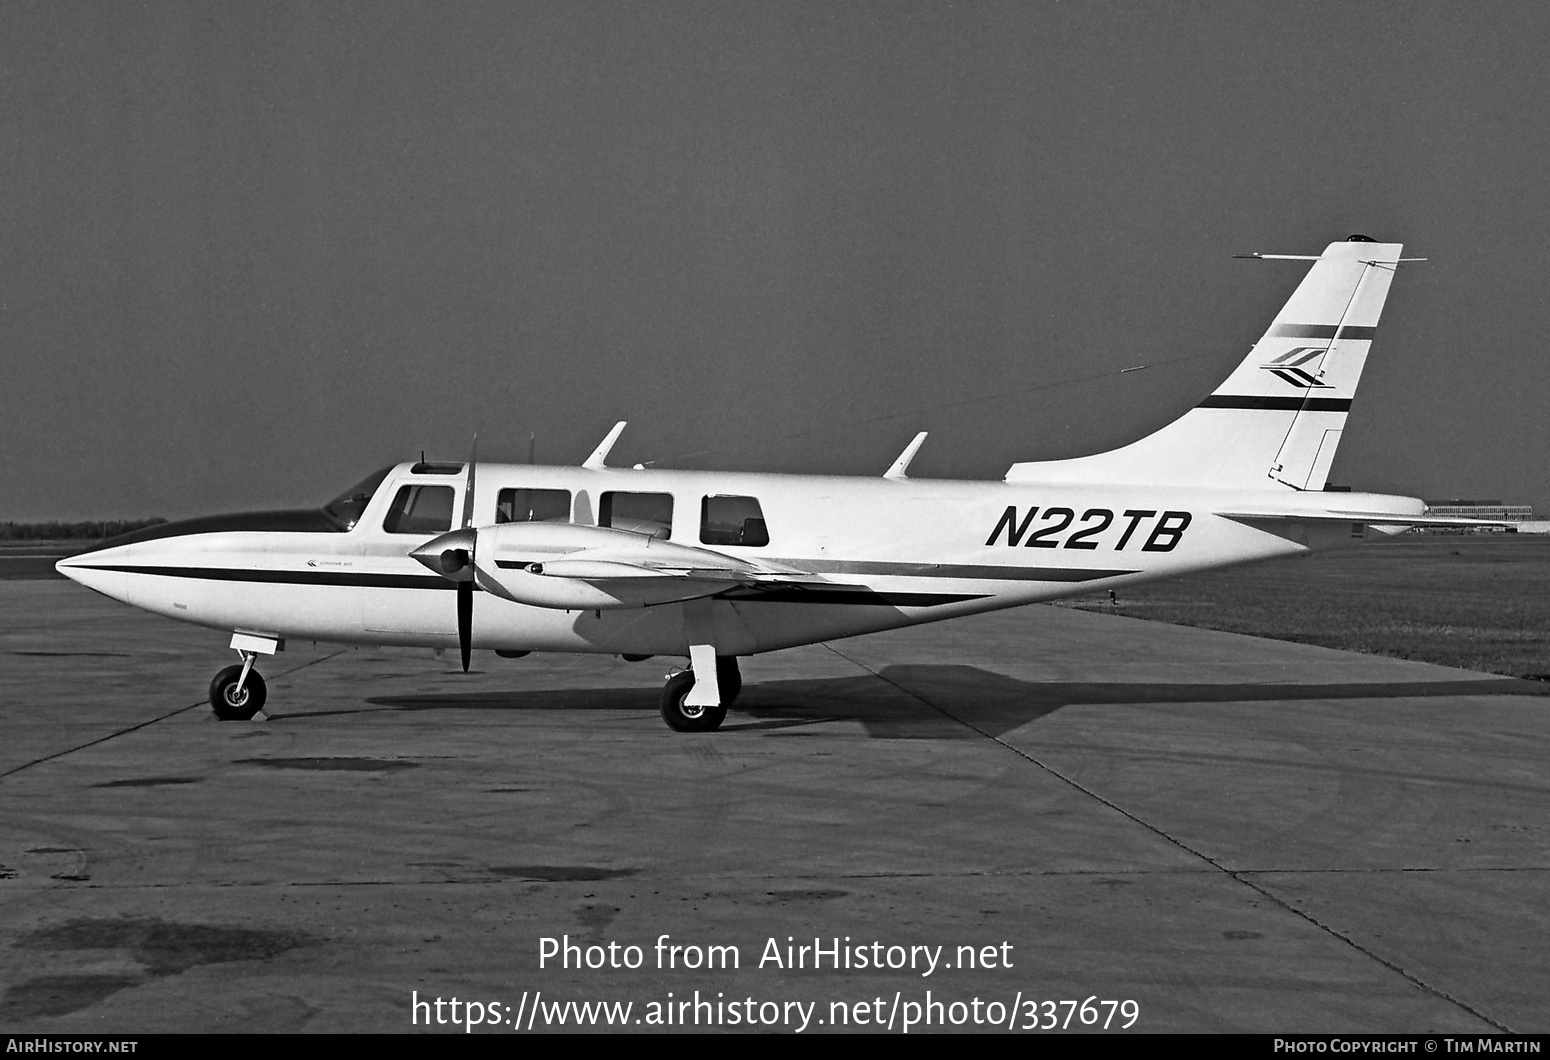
[(598, 460), (901, 466)]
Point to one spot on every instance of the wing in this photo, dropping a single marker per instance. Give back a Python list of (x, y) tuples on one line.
[(585, 568)]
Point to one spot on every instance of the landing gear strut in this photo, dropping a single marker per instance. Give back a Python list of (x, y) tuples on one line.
[(683, 717), (238, 692)]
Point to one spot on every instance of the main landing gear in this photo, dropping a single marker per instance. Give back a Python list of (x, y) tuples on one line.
[(686, 717), (238, 692)]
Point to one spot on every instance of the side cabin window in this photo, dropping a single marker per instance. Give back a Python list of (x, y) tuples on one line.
[(644, 513), (732, 521), (532, 506), (420, 510)]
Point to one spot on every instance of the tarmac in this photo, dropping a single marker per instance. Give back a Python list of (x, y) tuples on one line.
[(1188, 830)]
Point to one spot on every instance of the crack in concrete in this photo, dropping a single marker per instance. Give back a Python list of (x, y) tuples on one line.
[(146, 724), (1238, 875)]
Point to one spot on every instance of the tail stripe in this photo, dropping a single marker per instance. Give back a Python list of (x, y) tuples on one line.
[(1321, 331), (1290, 404)]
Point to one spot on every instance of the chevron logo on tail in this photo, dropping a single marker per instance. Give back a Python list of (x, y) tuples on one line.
[(1286, 367)]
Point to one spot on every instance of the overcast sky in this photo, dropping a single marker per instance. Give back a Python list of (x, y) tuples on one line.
[(249, 252)]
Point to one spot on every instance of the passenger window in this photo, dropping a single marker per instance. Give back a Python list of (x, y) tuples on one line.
[(644, 513), (532, 506), (732, 521), (420, 510)]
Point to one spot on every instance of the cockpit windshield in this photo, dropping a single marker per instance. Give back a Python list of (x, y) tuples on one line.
[(346, 508)]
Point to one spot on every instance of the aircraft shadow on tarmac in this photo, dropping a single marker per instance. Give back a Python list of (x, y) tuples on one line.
[(933, 701)]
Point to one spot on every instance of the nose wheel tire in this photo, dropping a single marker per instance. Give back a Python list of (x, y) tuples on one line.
[(683, 718), (232, 704)]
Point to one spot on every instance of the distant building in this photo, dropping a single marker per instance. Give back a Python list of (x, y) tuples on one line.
[(1462, 509), (1519, 516)]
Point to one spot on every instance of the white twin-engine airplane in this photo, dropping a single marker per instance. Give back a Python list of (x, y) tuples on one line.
[(717, 565)]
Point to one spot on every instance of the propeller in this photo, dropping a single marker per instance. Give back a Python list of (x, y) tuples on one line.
[(451, 555), (465, 586)]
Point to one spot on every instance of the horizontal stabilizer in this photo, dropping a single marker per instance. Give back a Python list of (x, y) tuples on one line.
[(1371, 518)]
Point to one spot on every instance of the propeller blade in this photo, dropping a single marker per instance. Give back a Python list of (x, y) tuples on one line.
[(465, 589), (468, 491), (465, 620)]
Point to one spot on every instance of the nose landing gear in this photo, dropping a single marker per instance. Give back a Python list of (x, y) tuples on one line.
[(238, 692)]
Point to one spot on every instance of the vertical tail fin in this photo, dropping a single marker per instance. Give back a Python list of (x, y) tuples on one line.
[(1278, 417)]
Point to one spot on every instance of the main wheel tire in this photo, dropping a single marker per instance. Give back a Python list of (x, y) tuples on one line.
[(232, 705), (728, 678), (683, 718)]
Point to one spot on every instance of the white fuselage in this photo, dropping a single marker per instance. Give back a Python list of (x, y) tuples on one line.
[(876, 554)]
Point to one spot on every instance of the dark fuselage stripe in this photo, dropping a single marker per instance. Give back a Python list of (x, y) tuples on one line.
[(815, 595), (1320, 331), (985, 572), (1285, 404), (291, 577), (847, 596), (421, 581)]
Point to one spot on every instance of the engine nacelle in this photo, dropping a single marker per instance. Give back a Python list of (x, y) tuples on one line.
[(597, 568), (573, 594)]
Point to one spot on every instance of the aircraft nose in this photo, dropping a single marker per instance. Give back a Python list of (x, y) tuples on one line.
[(86, 568), (72, 566)]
